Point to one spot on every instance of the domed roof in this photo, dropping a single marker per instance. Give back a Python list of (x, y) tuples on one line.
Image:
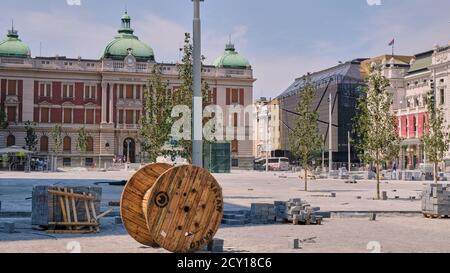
[(12, 46), (231, 59), (126, 43)]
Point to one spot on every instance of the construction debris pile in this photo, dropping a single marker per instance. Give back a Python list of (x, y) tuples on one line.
[(436, 201), (293, 211)]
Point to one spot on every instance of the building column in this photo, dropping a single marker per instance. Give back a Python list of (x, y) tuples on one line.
[(111, 104), (104, 101)]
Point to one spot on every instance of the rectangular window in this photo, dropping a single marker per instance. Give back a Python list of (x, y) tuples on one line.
[(67, 115), (235, 120), (130, 91), (120, 116), (67, 162), (120, 91), (45, 113), (45, 90), (129, 117), (442, 94), (11, 113), (89, 92), (68, 91), (234, 146), (12, 88), (234, 96), (90, 116)]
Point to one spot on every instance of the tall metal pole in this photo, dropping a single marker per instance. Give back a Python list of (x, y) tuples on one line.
[(267, 140), (349, 153), (330, 135), (197, 103)]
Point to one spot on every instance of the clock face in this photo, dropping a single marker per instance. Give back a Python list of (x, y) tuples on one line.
[(129, 61)]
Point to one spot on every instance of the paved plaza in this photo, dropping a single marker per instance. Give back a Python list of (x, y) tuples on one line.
[(400, 227)]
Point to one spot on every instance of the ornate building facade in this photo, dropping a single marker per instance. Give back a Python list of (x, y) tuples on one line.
[(105, 96)]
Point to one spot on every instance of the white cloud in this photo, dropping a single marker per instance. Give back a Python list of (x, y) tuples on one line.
[(165, 36), (64, 34)]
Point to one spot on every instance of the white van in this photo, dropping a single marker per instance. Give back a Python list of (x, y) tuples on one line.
[(275, 164)]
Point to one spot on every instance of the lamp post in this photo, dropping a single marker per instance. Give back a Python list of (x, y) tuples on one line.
[(197, 100), (128, 150)]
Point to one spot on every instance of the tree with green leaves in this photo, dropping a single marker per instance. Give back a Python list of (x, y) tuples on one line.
[(377, 139), (31, 138), (3, 119), (81, 144), (156, 122), (183, 96), (56, 135), (436, 138), (305, 140)]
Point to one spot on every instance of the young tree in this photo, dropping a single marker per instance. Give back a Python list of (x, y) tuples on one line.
[(377, 139), (305, 140), (183, 96), (81, 144), (56, 135), (156, 122), (31, 139), (3, 118), (436, 139)]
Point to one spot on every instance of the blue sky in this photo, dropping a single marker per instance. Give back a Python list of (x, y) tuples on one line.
[(282, 39)]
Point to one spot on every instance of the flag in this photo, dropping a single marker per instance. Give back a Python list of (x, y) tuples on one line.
[(392, 42)]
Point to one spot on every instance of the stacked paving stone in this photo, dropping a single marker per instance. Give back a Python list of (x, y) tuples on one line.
[(262, 213), (236, 218), (436, 200), (298, 212)]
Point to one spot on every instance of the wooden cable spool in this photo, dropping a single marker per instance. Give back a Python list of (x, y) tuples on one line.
[(181, 210), (133, 217)]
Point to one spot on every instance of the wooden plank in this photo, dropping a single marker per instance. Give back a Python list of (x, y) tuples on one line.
[(72, 224), (63, 208), (68, 194), (74, 207), (94, 213), (131, 202), (88, 214), (104, 214), (69, 217), (68, 231)]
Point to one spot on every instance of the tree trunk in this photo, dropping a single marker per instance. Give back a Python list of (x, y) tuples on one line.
[(378, 181), (306, 178), (435, 172)]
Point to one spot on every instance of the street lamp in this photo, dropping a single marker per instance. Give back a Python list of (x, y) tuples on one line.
[(197, 100)]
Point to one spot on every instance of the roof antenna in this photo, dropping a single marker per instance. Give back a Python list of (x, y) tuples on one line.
[(12, 25)]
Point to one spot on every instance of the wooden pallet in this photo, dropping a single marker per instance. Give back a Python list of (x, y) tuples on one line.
[(67, 201)]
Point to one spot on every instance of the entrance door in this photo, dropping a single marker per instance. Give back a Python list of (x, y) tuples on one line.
[(129, 150)]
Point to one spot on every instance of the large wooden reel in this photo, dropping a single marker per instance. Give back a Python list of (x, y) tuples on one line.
[(185, 208), (131, 210), (177, 208)]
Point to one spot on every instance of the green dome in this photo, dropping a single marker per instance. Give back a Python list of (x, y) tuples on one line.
[(12, 46), (126, 43), (231, 59)]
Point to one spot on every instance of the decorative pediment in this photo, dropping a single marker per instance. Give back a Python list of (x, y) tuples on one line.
[(90, 105), (44, 103), (68, 104), (11, 100)]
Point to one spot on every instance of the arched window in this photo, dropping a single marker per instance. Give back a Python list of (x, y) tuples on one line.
[(67, 144), (44, 144), (10, 141), (89, 144)]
